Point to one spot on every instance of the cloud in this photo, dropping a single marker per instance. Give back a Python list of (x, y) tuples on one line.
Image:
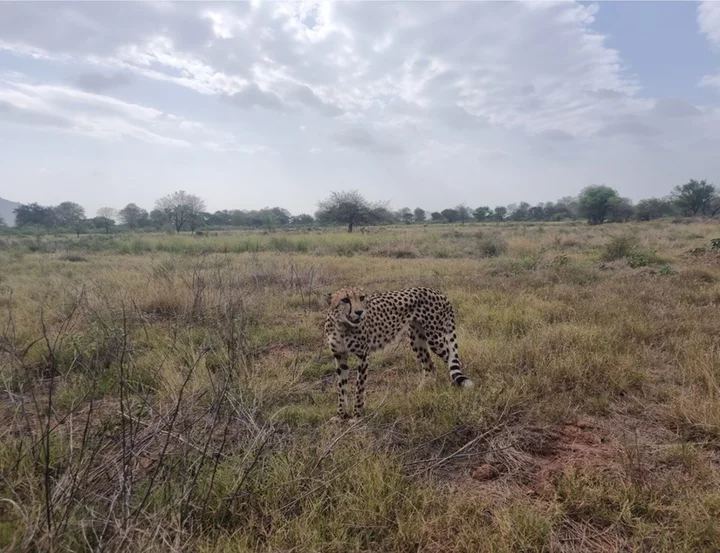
[(546, 74), (10, 113), (629, 126), (607, 94), (361, 140), (708, 17), (94, 115), (675, 107), (459, 118), (442, 91), (556, 135), (254, 96), (710, 81), (492, 154), (99, 82), (305, 95), (433, 151)]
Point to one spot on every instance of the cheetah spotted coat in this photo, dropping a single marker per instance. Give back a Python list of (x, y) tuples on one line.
[(359, 325)]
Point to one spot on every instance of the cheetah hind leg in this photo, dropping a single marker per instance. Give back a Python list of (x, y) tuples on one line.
[(419, 343), (447, 349)]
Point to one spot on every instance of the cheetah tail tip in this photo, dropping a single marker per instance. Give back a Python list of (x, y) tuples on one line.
[(467, 383)]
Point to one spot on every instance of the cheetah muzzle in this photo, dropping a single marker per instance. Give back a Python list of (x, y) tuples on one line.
[(360, 325)]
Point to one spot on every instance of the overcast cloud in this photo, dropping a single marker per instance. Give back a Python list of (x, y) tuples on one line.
[(267, 103)]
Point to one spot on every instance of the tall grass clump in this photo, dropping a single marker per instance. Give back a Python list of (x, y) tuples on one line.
[(491, 245), (618, 247)]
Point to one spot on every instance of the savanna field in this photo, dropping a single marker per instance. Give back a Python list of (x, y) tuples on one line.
[(173, 393)]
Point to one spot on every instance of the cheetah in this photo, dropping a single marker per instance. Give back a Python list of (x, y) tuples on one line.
[(359, 324)]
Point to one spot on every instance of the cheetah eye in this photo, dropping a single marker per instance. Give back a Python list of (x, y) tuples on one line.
[(345, 300)]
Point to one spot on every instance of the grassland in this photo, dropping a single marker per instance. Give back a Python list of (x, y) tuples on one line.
[(172, 393)]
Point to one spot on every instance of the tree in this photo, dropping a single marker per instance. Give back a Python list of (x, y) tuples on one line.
[(419, 215), (652, 208), (595, 201), (282, 215), (536, 213), (133, 216), (450, 215), (3, 224), (463, 212), (567, 207), (715, 206), (70, 215), (405, 215), (106, 218), (348, 207), (381, 215), (303, 219), (436, 216), (481, 213), (181, 208), (519, 212), (620, 210), (159, 218), (695, 197), (34, 214), (499, 213), (276, 216)]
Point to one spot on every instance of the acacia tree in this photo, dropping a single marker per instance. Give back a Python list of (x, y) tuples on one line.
[(303, 219), (34, 214), (350, 208), (481, 213), (652, 208), (133, 216), (695, 197), (499, 213), (181, 208), (595, 203), (106, 217), (70, 215), (620, 210), (463, 213), (519, 212), (2, 222), (405, 215), (450, 215), (419, 215)]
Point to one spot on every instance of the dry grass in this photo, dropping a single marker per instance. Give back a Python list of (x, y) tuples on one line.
[(173, 394)]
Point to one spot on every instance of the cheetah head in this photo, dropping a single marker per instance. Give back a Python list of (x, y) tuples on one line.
[(347, 305)]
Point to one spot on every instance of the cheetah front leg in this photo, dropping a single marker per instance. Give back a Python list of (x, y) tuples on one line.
[(360, 386), (342, 380)]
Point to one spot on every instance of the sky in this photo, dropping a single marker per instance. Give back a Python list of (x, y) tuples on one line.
[(422, 104)]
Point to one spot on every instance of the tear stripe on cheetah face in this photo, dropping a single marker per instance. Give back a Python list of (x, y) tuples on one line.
[(360, 325), (347, 306)]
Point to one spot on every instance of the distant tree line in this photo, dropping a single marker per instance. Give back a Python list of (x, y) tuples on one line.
[(181, 211)]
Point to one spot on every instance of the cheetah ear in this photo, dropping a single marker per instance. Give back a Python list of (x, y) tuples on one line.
[(327, 296)]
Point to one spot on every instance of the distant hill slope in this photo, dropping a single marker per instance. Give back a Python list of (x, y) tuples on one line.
[(6, 211)]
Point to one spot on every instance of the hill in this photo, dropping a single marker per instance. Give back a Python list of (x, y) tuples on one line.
[(6, 211)]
